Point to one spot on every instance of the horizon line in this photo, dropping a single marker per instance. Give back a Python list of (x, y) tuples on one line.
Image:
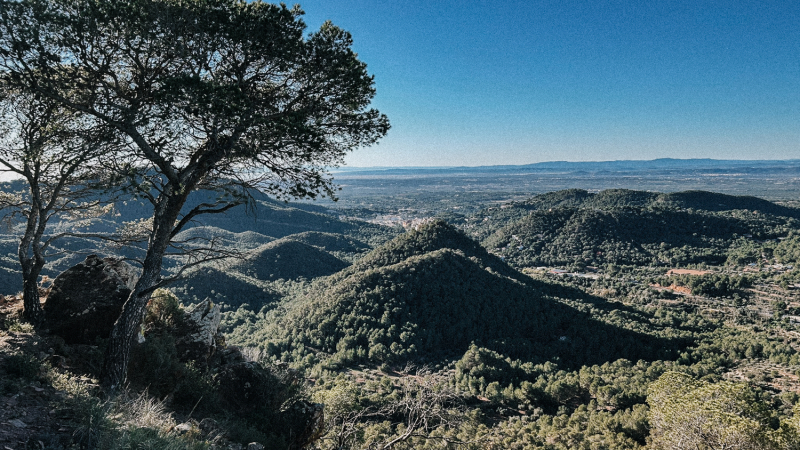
[(349, 167)]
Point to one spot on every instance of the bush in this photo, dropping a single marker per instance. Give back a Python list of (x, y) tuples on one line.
[(22, 365), (163, 311), (154, 365)]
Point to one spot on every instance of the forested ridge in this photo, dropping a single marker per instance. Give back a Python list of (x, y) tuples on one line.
[(551, 362), (576, 228), (434, 302)]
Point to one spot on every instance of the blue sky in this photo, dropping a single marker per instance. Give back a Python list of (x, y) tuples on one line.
[(517, 82)]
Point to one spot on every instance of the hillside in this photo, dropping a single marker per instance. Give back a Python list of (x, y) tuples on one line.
[(576, 228), (520, 360), (429, 294), (288, 259), (202, 235), (222, 285), (429, 237), (242, 228), (330, 242)]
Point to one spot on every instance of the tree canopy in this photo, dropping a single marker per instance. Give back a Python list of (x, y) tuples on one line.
[(210, 94)]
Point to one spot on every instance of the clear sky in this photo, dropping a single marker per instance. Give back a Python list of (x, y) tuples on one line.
[(517, 82)]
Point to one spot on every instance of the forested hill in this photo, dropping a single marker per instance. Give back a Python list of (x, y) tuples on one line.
[(429, 237), (576, 228), (288, 259), (626, 198), (431, 300), (243, 228)]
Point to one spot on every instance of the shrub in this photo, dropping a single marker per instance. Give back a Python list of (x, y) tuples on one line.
[(22, 365)]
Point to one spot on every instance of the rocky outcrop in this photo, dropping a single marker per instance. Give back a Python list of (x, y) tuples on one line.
[(307, 422), (245, 388), (199, 336), (86, 300), (265, 396)]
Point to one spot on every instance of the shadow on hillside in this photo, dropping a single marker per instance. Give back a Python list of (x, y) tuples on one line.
[(713, 201), (574, 337), (222, 286), (434, 306)]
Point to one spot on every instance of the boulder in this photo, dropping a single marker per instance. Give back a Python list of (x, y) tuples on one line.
[(226, 354), (245, 388), (86, 300), (199, 336), (307, 422)]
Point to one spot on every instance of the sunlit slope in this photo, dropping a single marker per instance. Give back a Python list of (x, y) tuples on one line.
[(432, 236), (330, 242), (222, 285), (206, 235)]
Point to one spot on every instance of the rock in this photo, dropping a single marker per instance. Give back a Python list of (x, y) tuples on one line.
[(226, 355), (185, 428), (17, 423), (255, 446), (211, 429), (205, 318), (248, 389), (199, 337), (86, 300), (307, 422)]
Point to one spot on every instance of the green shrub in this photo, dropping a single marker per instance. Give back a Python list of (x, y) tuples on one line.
[(163, 310), (154, 365), (15, 325), (196, 390), (22, 365)]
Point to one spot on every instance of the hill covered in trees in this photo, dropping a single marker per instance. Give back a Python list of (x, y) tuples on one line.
[(540, 359), (576, 228), (430, 293), (288, 259)]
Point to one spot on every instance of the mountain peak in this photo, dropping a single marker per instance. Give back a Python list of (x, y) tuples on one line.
[(429, 237)]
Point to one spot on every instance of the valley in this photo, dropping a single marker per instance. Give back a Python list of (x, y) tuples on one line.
[(558, 306)]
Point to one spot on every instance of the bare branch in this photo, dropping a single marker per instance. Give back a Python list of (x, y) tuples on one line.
[(203, 208)]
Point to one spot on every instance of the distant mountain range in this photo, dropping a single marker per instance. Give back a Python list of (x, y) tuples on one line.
[(661, 165)]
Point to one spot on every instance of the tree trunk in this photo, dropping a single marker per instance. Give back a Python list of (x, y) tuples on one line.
[(117, 354), (32, 311), (32, 263)]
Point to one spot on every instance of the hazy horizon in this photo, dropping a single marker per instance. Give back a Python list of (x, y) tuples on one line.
[(752, 160)]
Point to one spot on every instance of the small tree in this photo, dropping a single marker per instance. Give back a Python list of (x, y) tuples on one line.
[(206, 91), (686, 413), (422, 403), (39, 146)]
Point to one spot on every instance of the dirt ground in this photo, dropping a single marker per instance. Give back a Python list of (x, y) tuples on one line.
[(32, 415)]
